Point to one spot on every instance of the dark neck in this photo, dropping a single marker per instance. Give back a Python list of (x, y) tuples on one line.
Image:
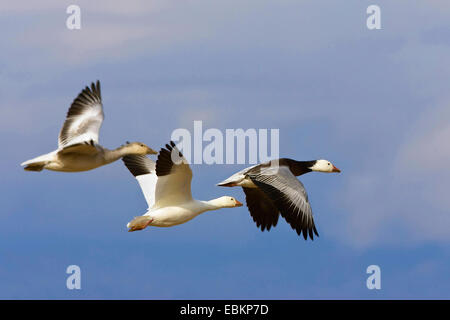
[(298, 167)]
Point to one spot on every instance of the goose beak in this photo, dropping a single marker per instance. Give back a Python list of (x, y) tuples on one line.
[(151, 151), (238, 204), (335, 169)]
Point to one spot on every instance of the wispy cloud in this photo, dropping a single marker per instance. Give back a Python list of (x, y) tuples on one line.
[(316, 74), (404, 200)]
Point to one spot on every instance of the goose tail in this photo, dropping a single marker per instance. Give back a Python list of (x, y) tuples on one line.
[(232, 181), (38, 163)]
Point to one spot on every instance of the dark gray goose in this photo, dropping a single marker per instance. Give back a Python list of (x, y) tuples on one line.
[(272, 189)]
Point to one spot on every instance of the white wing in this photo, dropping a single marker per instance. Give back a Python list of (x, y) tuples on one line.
[(174, 177), (148, 186), (143, 168), (84, 118)]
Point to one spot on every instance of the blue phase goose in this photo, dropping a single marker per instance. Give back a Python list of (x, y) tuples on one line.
[(272, 189), (78, 148), (166, 185)]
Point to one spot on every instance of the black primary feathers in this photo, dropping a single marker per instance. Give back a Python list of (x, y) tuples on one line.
[(167, 158)]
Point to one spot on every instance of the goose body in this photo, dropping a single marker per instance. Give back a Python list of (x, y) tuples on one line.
[(166, 185), (177, 214), (272, 189), (78, 147)]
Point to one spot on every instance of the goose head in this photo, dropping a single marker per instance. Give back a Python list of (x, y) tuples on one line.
[(323, 166), (227, 202), (138, 148)]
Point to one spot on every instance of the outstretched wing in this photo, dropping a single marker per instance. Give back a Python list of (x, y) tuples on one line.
[(84, 118), (86, 148), (289, 196), (143, 169), (174, 177), (261, 207)]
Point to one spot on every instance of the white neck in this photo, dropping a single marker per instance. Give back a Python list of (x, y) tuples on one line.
[(213, 204)]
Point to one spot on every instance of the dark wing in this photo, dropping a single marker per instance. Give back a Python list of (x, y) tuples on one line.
[(289, 196), (261, 207), (84, 118), (139, 164)]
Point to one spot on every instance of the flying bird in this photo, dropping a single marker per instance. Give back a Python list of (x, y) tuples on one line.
[(166, 185), (78, 147), (272, 189)]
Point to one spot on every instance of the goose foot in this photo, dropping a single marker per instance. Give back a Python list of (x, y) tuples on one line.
[(139, 223)]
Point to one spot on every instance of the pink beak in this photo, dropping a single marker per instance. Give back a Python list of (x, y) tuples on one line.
[(335, 169)]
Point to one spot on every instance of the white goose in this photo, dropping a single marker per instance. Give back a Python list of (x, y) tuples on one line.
[(167, 188), (272, 189), (78, 148)]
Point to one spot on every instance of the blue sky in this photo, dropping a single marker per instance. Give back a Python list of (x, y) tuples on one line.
[(375, 103)]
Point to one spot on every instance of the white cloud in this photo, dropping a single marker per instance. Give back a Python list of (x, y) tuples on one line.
[(426, 150), (130, 7), (401, 199), (404, 201)]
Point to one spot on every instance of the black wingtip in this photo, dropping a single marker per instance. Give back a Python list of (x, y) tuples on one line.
[(98, 89), (315, 231), (136, 164), (307, 232), (95, 88), (172, 146)]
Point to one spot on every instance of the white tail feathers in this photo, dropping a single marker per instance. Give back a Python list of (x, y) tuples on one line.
[(44, 158)]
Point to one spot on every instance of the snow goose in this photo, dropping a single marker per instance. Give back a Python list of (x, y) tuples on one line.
[(272, 188), (78, 148), (166, 185)]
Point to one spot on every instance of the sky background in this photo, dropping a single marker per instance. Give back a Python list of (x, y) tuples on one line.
[(374, 102)]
